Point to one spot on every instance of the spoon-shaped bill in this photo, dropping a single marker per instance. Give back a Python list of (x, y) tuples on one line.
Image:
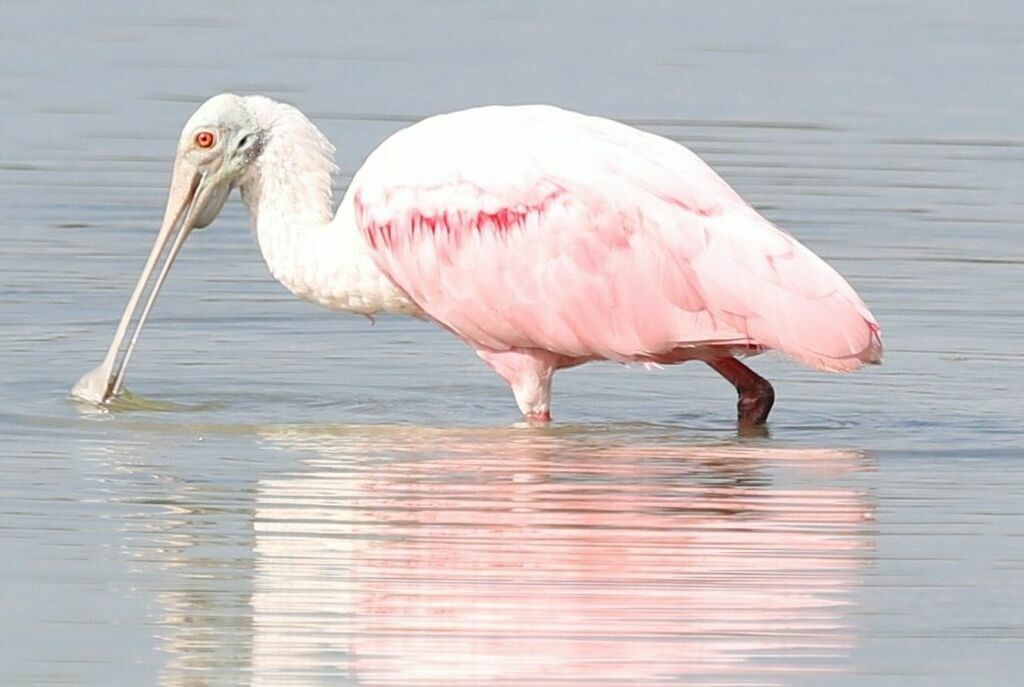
[(104, 382)]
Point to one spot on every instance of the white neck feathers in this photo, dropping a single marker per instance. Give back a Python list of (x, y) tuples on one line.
[(316, 256)]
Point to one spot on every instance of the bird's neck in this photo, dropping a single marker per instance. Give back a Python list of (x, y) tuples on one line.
[(316, 256)]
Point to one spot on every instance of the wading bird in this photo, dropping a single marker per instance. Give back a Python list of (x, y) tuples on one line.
[(542, 238)]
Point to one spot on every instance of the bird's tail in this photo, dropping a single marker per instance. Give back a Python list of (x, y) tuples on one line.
[(787, 297)]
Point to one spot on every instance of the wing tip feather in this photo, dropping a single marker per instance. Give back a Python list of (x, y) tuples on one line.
[(870, 355)]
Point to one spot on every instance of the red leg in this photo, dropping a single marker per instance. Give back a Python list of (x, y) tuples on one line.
[(756, 394)]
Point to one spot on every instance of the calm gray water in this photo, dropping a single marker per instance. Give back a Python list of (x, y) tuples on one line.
[(322, 501)]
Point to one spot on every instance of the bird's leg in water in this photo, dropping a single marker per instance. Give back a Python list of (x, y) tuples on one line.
[(528, 371), (756, 394)]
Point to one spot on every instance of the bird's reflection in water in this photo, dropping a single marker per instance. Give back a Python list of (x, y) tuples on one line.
[(415, 557)]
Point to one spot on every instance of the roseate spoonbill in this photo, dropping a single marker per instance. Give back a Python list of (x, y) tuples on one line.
[(542, 238)]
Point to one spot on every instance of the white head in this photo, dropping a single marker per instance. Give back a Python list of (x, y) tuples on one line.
[(216, 150), (219, 149)]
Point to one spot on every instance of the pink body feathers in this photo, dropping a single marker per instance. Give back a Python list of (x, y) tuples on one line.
[(546, 238)]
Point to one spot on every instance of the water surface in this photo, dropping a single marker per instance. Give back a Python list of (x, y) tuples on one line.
[(310, 499)]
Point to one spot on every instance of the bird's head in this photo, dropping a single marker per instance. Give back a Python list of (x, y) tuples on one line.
[(217, 147), (230, 141), (216, 150)]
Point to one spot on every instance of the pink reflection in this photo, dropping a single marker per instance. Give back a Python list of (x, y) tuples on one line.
[(457, 558)]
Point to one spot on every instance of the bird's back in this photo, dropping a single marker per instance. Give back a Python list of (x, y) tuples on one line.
[(534, 227)]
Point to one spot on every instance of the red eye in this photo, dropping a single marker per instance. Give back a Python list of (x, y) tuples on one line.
[(204, 139)]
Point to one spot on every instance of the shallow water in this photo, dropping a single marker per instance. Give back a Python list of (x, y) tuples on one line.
[(298, 497)]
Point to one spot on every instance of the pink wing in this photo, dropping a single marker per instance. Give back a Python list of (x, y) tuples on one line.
[(534, 227)]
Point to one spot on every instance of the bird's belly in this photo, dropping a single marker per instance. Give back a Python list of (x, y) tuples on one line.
[(675, 356)]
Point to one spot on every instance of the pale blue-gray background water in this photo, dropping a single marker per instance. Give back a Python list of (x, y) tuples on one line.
[(330, 502)]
